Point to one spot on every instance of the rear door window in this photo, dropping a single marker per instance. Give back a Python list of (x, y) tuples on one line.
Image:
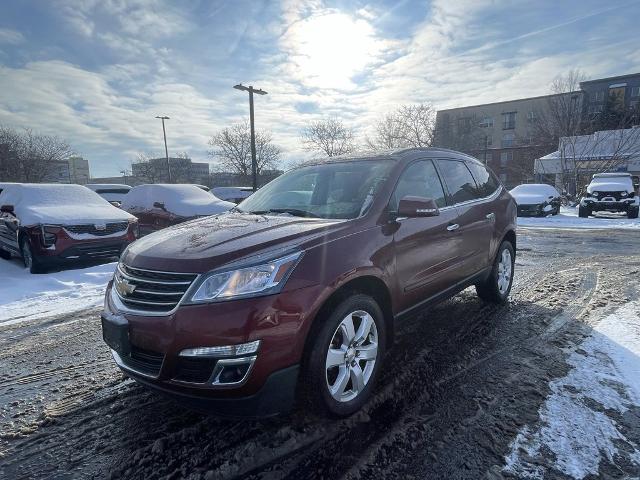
[(487, 183), (420, 179), (462, 187)]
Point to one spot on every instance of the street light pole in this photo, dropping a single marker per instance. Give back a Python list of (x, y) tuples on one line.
[(166, 151), (254, 163)]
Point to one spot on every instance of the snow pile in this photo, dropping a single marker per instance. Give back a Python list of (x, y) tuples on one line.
[(59, 204), (568, 219), (577, 421), (27, 297), (181, 200), (534, 193)]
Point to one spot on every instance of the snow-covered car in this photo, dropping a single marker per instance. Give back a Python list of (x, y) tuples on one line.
[(232, 194), (536, 199), (111, 192), (161, 205), (48, 224), (610, 192)]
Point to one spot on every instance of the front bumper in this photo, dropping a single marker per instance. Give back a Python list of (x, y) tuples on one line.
[(608, 205), (151, 346)]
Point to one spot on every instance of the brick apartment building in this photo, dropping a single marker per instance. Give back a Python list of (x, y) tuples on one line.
[(504, 134)]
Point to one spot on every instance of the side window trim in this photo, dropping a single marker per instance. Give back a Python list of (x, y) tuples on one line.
[(466, 202), (491, 175), (434, 163)]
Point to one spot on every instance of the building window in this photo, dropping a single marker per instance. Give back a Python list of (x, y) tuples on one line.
[(635, 91), (486, 122), (505, 158), (598, 96), (509, 120), (508, 140), (531, 116), (464, 125)]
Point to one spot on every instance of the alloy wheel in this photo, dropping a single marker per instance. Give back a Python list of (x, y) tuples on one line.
[(351, 356), (504, 271)]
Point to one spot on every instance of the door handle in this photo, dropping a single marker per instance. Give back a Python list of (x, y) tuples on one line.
[(453, 227), (491, 216)]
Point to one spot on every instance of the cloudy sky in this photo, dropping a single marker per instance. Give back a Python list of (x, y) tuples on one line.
[(97, 72)]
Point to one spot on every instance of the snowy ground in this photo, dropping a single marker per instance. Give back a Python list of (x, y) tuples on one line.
[(568, 219), (578, 420), (24, 296)]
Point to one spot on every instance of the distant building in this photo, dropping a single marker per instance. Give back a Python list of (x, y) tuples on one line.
[(79, 170), (503, 135), (500, 134), (624, 90), (183, 170), (71, 170)]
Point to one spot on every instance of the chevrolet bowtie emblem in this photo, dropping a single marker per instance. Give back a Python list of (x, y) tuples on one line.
[(123, 287)]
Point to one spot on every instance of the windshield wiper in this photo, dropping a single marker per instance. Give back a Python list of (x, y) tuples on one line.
[(291, 211)]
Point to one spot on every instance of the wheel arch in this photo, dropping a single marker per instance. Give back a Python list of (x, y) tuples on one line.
[(510, 237), (366, 284)]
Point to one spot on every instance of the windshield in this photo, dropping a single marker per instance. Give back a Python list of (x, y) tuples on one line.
[(333, 190)]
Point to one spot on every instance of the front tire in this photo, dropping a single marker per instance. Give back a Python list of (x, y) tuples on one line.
[(346, 357), (30, 259), (633, 212), (496, 287)]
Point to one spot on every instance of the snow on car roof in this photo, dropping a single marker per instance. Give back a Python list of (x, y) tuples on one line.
[(55, 203), (609, 175), (535, 188), (184, 200), (98, 186)]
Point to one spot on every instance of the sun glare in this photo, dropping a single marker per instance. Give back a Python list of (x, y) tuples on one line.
[(330, 49)]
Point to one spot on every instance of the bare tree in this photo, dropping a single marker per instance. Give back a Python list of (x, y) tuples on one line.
[(329, 137), (30, 157), (231, 149)]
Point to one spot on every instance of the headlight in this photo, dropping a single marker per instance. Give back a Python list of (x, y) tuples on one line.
[(595, 194), (623, 194), (265, 278), (135, 228)]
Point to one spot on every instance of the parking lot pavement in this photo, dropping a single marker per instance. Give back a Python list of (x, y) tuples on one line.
[(545, 385)]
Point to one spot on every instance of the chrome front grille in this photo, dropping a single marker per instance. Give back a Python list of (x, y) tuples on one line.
[(150, 290), (98, 230)]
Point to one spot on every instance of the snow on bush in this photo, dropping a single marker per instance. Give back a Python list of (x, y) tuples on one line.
[(179, 200), (59, 204)]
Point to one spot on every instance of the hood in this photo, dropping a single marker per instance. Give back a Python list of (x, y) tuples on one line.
[(610, 185), (66, 215), (207, 243), (530, 198)]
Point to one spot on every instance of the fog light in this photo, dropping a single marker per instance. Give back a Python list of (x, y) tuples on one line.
[(232, 371), (225, 351)]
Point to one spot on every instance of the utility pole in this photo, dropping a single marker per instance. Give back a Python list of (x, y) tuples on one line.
[(254, 163), (486, 147), (166, 151)]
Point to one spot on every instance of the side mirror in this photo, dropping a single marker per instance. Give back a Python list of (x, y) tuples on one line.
[(6, 209), (417, 207), (159, 205)]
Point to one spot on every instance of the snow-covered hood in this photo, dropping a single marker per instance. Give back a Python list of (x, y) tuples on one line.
[(530, 198), (610, 185), (70, 214)]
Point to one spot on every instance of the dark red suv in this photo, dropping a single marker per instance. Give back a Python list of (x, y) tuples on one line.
[(302, 284)]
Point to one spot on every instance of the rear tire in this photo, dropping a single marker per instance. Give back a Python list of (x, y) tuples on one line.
[(584, 212), (496, 287), (30, 260), (632, 212), (346, 356)]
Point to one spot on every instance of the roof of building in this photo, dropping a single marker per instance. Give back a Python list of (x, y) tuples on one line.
[(608, 79), (509, 101)]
